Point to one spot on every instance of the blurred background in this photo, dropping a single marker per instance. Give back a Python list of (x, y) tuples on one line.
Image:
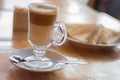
[(111, 7), (77, 14)]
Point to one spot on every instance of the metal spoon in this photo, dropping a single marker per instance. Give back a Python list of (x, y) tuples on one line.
[(17, 59)]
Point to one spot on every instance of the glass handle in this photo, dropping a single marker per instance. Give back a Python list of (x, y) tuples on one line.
[(60, 34)]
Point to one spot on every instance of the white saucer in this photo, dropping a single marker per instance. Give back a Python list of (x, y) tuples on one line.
[(23, 53)]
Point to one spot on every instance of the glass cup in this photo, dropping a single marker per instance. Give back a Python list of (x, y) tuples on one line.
[(43, 31)]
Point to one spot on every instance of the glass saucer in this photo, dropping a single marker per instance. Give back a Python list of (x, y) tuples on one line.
[(27, 52)]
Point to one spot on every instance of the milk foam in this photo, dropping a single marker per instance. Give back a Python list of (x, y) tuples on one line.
[(43, 8)]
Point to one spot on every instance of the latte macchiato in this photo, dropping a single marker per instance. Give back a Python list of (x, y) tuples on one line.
[(43, 31), (42, 18)]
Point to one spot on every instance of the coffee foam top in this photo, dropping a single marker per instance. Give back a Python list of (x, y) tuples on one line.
[(43, 8)]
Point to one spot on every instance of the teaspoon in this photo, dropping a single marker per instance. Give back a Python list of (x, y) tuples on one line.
[(18, 59)]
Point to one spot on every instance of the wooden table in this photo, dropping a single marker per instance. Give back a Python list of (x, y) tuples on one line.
[(103, 64)]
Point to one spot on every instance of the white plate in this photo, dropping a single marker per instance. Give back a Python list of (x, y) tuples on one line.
[(94, 46), (108, 22), (23, 53)]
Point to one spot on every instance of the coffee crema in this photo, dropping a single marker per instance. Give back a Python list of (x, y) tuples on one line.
[(42, 19), (43, 14)]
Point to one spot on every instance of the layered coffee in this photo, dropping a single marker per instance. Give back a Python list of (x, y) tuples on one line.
[(42, 18)]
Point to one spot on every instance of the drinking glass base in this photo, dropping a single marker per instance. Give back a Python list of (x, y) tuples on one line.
[(38, 64)]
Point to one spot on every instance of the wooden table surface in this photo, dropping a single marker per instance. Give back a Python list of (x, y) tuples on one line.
[(103, 64)]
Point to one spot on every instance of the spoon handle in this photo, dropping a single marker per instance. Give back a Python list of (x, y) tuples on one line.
[(72, 62)]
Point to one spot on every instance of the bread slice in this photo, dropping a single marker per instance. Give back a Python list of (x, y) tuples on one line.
[(81, 32), (94, 37), (114, 39), (72, 29), (93, 33), (109, 37)]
